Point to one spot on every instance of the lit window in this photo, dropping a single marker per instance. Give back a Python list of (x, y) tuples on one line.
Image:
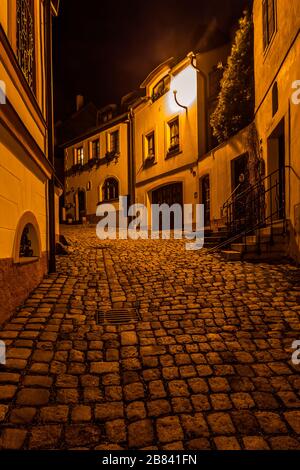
[(110, 189), (174, 135), (162, 87), (269, 21), (114, 143), (150, 142), (78, 156)]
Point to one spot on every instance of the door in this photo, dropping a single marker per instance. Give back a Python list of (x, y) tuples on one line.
[(276, 170), (169, 194), (81, 203), (281, 176), (240, 183), (205, 199)]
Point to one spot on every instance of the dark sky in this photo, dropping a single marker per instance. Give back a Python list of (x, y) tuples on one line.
[(104, 49)]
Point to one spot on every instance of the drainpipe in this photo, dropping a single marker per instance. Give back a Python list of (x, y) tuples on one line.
[(50, 141), (131, 166), (192, 58)]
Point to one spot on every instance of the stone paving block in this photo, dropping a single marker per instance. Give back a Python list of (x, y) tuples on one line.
[(169, 429), (140, 434), (33, 396), (12, 439), (45, 437), (22, 415)]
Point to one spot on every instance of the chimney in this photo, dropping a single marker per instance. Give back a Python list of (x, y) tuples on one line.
[(79, 102)]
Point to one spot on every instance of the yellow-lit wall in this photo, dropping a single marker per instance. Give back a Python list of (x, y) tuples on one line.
[(97, 175), (280, 63), (218, 165), (24, 167), (155, 117)]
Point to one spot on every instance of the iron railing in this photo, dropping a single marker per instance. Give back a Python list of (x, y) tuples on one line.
[(259, 205)]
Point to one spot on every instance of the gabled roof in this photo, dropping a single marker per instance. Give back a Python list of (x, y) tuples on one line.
[(165, 65)]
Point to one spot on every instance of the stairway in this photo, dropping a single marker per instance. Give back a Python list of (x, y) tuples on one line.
[(213, 238), (267, 244)]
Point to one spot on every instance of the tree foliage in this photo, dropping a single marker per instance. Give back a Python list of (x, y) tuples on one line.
[(235, 107)]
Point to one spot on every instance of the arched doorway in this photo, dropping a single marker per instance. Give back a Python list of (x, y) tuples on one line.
[(169, 194)]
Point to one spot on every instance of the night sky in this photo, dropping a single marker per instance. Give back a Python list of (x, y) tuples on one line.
[(105, 49)]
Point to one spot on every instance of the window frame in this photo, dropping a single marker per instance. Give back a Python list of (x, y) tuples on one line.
[(267, 34), (114, 149), (165, 82), (148, 138), (79, 156), (175, 148), (95, 144), (23, 60), (106, 190)]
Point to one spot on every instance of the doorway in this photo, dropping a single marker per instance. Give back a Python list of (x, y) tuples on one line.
[(81, 203), (276, 170), (205, 198), (169, 194), (240, 183)]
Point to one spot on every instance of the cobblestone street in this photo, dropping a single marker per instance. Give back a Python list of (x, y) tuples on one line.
[(207, 366)]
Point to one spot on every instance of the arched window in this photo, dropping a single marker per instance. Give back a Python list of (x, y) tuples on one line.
[(275, 99), (29, 246), (110, 189)]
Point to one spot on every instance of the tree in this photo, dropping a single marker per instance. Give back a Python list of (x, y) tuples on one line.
[(235, 107)]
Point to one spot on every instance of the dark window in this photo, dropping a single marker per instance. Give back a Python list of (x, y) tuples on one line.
[(215, 78), (110, 189), (269, 21), (275, 99), (114, 142), (161, 88), (95, 149), (150, 145), (25, 40), (174, 135)]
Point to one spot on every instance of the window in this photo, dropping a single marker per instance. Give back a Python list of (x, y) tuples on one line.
[(29, 243), (78, 156), (110, 189), (95, 149), (161, 88), (150, 145), (114, 143), (174, 135), (215, 78), (269, 21), (275, 100), (25, 40)]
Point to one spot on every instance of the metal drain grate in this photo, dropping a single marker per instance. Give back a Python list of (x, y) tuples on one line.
[(121, 316)]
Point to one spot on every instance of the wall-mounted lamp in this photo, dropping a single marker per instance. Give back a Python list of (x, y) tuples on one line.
[(177, 102)]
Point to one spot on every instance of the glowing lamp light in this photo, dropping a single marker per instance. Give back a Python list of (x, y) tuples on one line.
[(185, 87)]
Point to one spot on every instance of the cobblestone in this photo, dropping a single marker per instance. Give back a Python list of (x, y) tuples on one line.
[(207, 366)]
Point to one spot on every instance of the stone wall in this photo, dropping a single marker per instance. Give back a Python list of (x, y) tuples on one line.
[(16, 283)]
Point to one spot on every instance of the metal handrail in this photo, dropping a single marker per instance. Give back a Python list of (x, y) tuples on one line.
[(232, 194), (255, 198)]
